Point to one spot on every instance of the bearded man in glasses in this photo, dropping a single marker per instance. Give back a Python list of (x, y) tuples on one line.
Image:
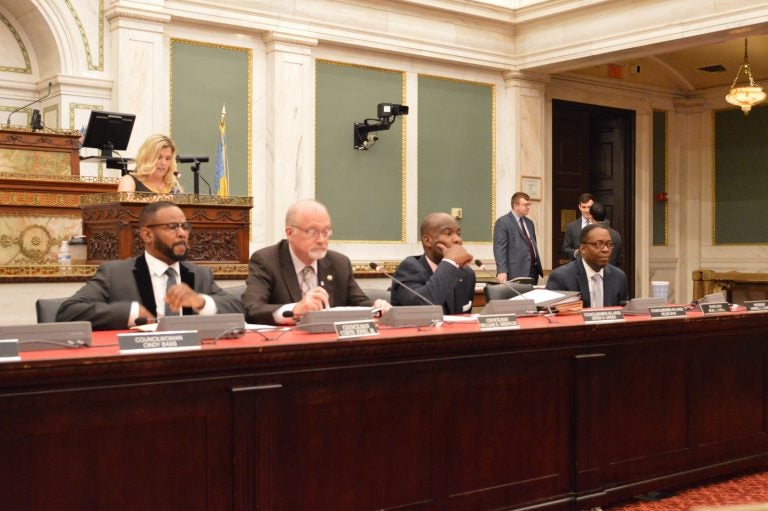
[(299, 274), (600, 284), (157, 283)]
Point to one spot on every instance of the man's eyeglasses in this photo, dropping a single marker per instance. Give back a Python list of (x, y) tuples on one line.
[(315, 233), (173, 226), (599, 245)]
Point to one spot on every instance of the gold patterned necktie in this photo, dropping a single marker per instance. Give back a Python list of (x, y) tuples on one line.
[(307, 280)]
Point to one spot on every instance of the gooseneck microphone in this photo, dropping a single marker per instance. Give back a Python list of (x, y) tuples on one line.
[(479, 264), (380, 269), (50, 87)]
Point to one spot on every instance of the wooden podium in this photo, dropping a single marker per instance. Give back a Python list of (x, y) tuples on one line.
[(220, 225)]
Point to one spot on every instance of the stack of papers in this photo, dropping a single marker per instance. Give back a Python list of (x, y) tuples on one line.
[(548, 298)]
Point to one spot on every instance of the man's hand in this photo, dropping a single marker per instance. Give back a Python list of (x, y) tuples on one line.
[(456, 253), (144, 313), (181, 295), (315, 300), (383, 305), (501, 278)]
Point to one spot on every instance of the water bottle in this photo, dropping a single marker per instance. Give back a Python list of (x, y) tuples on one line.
[(65, 258)]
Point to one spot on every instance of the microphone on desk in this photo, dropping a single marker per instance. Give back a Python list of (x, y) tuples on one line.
[(50, 86), (479, 264), (380, 269), (410, 315)]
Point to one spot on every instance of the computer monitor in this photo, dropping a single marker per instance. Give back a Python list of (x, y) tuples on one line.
[(108, 131)]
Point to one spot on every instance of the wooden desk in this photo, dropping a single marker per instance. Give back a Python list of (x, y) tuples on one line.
[(563, 415)]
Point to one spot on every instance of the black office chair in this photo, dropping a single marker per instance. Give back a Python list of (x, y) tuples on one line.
[(505, 291), (46, 309)]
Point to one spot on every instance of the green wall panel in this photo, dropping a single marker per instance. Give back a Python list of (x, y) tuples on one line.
[(456, 153), (363, 190), (659, 177), (203, 78), (741, 176)]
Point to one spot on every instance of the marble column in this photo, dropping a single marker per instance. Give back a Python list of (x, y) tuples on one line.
[(689, 179), (139, 66), (524, 150), (290, 100)]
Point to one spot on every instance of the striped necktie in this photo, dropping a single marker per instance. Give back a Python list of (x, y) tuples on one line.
[(169, 283)]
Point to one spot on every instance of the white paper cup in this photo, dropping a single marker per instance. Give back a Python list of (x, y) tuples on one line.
[(660, 289)]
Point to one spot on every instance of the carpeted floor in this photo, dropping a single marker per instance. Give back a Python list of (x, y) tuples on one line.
[(745, 489)]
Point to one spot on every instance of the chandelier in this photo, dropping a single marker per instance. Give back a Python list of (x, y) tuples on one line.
[(747, 95)]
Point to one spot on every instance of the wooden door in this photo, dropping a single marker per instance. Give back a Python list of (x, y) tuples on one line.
[(593, 151)]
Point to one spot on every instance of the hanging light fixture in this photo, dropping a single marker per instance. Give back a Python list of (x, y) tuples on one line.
[(748, 95)]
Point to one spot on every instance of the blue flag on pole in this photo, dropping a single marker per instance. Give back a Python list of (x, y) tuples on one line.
[(221, 175)]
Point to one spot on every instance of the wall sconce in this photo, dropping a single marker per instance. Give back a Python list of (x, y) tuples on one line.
[(748, 95), (387, 113)]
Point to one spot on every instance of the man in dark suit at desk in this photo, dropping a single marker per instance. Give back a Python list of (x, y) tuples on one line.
[(573, 229), (600, 284), (299, 274), (158, 283), (442, 273), (514, 243)]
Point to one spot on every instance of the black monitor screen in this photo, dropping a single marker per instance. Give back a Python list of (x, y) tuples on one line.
[(108, 131)]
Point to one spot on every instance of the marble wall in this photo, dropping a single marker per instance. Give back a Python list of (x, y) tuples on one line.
[(115, 55)]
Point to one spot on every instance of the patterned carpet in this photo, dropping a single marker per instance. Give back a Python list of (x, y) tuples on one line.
[(744, 489)]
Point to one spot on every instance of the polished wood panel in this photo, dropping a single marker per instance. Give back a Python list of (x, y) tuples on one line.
[(220, 226), (561, 416)]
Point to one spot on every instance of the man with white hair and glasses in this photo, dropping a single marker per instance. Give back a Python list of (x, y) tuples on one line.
[(299, 274)]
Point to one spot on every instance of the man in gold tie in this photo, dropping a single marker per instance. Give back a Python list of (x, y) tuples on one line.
[(299, 274)]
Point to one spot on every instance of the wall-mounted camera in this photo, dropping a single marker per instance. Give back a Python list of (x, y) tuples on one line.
[(387, 113)]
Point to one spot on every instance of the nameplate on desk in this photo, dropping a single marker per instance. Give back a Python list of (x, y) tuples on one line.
[(497, 322), (355, 329), (9, 350), (606, 316), (714, 308), (667, 312), (159, 342), (756, 306)]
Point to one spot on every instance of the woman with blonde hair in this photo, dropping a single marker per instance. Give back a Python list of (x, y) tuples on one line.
[(155, 168)]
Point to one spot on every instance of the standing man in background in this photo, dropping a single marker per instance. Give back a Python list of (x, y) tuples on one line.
[(514, 243), (573, 229)]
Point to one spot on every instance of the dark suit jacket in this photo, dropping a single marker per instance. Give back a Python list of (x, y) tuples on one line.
[(105, 300), (272, 282), (571, 240), (573, 277), (451, 287), (510, 249)]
